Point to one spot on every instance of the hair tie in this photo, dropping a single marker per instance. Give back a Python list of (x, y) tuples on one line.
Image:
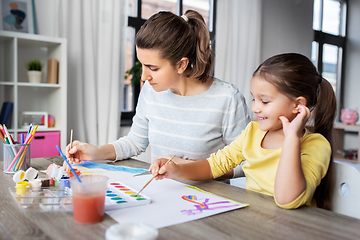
[(185, 18)]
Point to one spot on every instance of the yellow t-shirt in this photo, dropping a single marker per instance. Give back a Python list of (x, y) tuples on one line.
[(261, 164)]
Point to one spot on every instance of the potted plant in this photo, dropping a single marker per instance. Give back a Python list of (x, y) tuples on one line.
[(135, 73), (35, 74)]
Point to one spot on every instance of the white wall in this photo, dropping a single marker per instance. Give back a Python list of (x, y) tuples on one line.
[(286, 27)]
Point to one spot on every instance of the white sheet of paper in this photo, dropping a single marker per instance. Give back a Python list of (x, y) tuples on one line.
[(172, 203)]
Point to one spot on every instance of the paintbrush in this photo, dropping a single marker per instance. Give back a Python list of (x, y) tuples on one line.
[(155, 175), (66, 166)]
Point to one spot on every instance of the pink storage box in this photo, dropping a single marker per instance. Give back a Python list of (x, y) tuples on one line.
[(43, 144)]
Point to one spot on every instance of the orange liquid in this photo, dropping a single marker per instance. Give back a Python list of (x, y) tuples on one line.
[(88, 209), (76, 171)]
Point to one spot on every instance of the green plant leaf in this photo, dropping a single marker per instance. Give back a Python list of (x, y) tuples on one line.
[(135, 71), (34, 65)]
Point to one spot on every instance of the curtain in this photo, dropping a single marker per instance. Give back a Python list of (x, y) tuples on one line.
[(237, 43), (96, 34)]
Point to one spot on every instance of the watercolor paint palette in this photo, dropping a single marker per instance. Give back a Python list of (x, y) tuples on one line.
[(49, 199), (119, 195), (54, 199)]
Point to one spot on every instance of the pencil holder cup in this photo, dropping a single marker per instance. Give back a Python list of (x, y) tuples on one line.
[(16, 157)]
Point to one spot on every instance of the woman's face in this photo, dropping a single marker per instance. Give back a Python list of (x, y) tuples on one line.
[(158, 71)]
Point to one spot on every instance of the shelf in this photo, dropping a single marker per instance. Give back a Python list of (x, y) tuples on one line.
[(7, 83), (25, 84), (51, 129), (347, 128), (338, 139), (44, 85), (16, 49)]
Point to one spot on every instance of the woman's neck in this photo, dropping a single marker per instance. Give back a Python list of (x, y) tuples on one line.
[(191, 86)]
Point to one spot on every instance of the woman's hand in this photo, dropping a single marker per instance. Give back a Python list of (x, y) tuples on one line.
[(298, 123), (81, 151)]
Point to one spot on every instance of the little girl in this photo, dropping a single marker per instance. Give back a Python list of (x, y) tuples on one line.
[(283, 158)]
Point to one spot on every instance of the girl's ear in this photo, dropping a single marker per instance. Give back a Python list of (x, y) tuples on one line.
[(182, 65), (299, 101)]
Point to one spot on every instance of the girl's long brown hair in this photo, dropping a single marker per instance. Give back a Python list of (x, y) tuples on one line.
[(295, 75), (176, 38)]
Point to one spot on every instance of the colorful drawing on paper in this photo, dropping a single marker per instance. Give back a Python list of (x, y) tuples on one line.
[(204, 204), (108, 167)]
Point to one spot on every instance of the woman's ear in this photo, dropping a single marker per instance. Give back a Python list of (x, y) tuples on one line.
[(182, 65), (299, 101)]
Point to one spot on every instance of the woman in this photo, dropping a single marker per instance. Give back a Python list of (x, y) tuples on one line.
[(182, 109)]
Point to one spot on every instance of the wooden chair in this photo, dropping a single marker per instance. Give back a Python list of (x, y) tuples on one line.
[(346, 195)]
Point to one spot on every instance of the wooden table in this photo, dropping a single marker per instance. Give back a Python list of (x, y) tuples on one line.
[(261, 220)]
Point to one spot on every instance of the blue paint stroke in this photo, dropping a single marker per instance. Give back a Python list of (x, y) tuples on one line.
[(92, 165)]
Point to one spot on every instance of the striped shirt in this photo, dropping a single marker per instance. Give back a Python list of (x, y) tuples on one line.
[(191, 127)]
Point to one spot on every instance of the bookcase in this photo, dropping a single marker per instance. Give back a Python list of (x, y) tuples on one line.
[(339, 130), (16, 49)]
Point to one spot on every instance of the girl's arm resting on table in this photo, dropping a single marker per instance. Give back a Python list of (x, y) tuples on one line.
[(191, 170)]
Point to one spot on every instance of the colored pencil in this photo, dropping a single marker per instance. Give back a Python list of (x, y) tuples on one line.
[(9, 135), (155, 175), (20, 160), (12, 149), (2, 137), (18, 154), (28, 140), (29, 130), (22, 157)]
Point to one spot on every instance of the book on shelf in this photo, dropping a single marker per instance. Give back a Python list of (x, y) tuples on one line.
[(6, 112), (52, 71)]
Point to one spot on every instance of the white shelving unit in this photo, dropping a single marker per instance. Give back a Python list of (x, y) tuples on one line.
[(16, 49), (349, 128)]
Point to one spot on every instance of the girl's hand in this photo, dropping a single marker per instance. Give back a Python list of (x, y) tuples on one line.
[(158, 168), (81, 151), (298, 123)]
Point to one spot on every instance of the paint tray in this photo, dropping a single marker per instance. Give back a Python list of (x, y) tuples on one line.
[(54, 199), (51, 199), (119, 195)]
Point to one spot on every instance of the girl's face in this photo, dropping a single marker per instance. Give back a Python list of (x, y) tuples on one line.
[(269, 104), (158, 71)]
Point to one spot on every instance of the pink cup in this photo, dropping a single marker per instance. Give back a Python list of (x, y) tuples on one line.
[(349, 116)]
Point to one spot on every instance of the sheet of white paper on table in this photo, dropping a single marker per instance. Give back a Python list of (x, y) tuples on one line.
[(172, 203)]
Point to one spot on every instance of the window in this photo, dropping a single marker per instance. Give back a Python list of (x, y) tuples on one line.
[(329, 24), (139, 11)]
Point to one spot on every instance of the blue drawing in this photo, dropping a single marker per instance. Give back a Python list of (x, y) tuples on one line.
[(92, 165)]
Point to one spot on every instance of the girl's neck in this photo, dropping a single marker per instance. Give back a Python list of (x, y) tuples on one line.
[(273, 139), (191, 86)]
